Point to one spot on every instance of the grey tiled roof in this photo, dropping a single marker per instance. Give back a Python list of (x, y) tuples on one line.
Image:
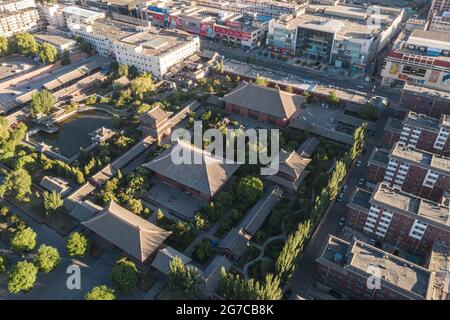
[(274, 102), (134, 235)]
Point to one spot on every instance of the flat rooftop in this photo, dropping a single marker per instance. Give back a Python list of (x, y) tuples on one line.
[(157, 42), (400, 201), (361, 198), (379, 157), (112, 28), (427, 92), (78, 11), (421, 158), (440, 265), (394, 270), (53, 38), (422, 121), (406, 43), (359, 257)]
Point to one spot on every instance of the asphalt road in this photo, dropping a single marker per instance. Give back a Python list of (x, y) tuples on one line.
[(304, 73), (303, 278)]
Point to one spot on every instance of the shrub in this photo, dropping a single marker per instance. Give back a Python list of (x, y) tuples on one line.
[(100, 293)]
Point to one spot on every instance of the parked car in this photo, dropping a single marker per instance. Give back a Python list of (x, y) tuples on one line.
[(340, 197), (342, 221), (361, 182), (358, 163), (344, 188), (371, 242)]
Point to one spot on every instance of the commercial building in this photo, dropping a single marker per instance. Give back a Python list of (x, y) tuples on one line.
[(419, 58), (244, 30), (350, 266), (18, 16), (264, 104), (340, 35), (399, 218), (267, 8)]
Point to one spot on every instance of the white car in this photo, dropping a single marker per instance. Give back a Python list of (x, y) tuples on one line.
[(340, 197), (358, 163)]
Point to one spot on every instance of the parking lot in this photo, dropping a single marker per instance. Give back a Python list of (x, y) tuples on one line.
[(13, 65)]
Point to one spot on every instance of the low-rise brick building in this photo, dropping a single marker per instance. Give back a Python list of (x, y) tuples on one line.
[(392, 131), (351, 267), (356, 268), (430, 102), (420, 173), (264, 104), (399, 218), (377, 164)]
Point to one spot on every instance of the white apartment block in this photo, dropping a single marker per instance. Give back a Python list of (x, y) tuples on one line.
[(13, 5), (26, 20), (148, 49), (155, 52)]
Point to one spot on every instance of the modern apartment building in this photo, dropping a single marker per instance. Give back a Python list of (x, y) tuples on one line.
[(399, 218), (353, 267), (341, 35), (419, 58)]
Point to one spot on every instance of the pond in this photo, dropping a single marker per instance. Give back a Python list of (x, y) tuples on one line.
[(73, 134)]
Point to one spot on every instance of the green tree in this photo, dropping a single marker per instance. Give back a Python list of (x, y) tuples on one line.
[(289, 89), (47, 53), (52, 201), (18, 184), (260, 81), (125, 276), (47, 258), (22, 277), (3, 263), (249, 189), (24, 240), (77, 245), (122, 70), (199, 222), (141, 85), (338, 175), (203, 250), (185, 280), (41, 103), (333, 98), (26, 44), (4, 46), (100, 293), (285, 264), (359, 140), (4, 130), (65, 58)]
